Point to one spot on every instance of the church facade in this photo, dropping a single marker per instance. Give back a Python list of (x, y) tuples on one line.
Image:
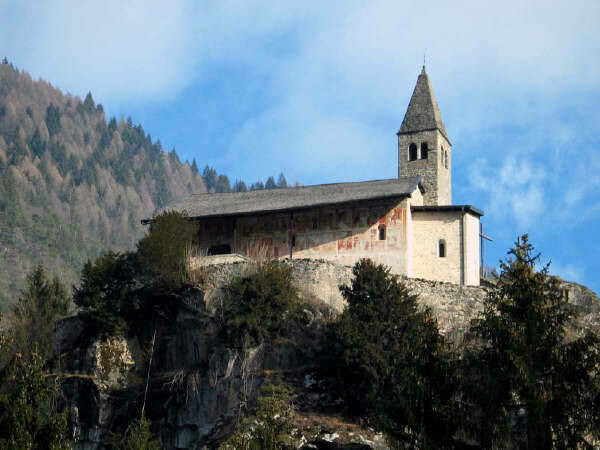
[(407, 223)]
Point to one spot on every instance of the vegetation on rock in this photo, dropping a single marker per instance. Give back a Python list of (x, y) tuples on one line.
[(271, 426), (163, 252), (139, 436), (262, 306)]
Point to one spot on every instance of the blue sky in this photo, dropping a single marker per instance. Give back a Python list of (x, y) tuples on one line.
[(317, 90)]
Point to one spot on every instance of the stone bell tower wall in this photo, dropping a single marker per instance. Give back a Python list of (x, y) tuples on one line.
[(435, 170)]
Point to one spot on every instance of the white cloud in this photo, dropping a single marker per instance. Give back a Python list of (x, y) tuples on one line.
[(515, 190)]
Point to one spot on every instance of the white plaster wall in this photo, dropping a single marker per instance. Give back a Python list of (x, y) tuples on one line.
[(428, 228), (416, 198), (472, 255)]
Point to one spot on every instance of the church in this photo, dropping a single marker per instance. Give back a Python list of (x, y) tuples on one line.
[(407, 223)]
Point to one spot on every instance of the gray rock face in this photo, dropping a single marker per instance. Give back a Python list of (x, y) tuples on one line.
[(197, 385)]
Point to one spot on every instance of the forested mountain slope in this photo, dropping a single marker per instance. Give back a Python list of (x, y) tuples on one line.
[(73, 183)]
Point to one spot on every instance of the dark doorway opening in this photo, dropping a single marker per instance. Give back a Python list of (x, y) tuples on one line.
[(221, 249)]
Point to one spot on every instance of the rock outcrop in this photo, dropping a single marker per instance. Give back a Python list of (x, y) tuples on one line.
[(197, 386)]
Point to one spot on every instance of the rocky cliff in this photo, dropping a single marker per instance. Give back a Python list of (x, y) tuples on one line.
[(198, 386)]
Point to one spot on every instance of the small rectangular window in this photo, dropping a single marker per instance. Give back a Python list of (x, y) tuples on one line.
[(442, 249)]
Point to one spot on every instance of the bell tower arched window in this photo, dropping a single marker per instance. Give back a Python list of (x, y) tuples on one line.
[(446, 160), (424, 149), (412, 152), (442, 248)]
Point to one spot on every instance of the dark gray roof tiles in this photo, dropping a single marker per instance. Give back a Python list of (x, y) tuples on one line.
[(279, 200), (423, 112)]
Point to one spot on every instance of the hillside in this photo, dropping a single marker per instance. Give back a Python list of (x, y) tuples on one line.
[(73, 183)]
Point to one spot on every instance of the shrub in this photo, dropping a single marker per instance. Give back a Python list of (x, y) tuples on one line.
[(162, 252), (389, 361), (139, 436), (271, 426), (261, 306)]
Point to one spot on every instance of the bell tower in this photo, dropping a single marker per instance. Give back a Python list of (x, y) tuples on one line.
[(423, 146)]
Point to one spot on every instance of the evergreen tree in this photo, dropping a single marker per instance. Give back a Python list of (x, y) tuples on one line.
[(240, 186), (223, 184), (108, 293), (5, 61), (28, 418), (112, 125), (36, 312), (37, 146), (194, 167), (53, 120), (531, 387), (210, 178), (270, 184), (390, 362), (88, 103), (163, 251), (281, 181), (258, 186)]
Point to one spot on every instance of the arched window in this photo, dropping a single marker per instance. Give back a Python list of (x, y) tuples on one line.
[(412, 152), (293, 240), (424, 149), (442, 155), (382, 232), (222, 249), (446, 160), (442, 248)]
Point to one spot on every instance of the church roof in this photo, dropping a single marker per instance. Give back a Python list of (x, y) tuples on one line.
[(289, 199), (423, 112)]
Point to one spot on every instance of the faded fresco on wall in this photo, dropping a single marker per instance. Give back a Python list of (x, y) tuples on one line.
[(340, 234)]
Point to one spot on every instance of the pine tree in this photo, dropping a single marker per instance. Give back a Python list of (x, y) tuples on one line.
[(210, 178), (240, 186), (194, 167), (53, 120), (37, 146), (223, 184), (36, 312), (28, 418), (390, 362), (530, 385), (270, 184), (88, 103), (281, 181)]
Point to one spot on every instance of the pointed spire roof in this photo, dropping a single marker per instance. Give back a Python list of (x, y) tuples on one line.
[(423, 112)]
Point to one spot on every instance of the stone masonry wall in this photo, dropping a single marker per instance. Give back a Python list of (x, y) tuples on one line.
[(453, 305), (436, 178)]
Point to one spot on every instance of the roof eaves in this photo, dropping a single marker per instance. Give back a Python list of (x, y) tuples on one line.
[(458, 208)]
